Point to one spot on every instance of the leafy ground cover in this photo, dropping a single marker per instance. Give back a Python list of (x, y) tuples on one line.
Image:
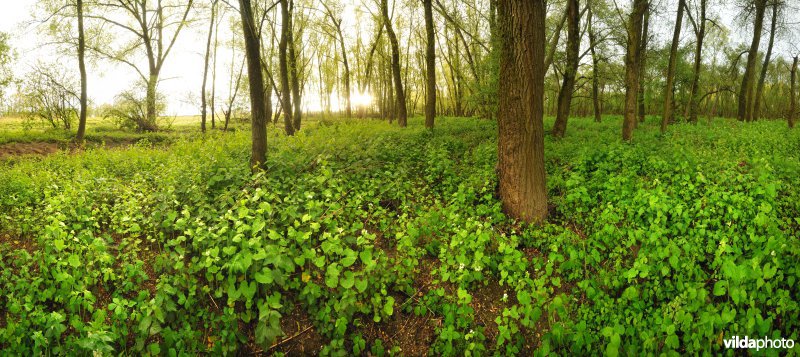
[(363, 238)]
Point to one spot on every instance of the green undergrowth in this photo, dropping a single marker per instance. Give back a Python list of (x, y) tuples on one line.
[(664, 246)]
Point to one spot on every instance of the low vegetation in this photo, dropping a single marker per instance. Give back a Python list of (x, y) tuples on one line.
[(364, 238)]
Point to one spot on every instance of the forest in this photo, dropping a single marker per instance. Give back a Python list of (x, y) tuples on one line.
[(399, 177)]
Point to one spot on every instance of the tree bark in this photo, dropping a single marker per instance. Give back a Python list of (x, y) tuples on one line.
[(260, 102), (632, 67), (595, 70), (570, 70), (666, 118), (402, 114), (792, 93), (694, 97), (521, 170), (746, 90), (82, 68), (297, 116), (203, 101), (430, 64), (286, 95), (640, 110), (767, 57)]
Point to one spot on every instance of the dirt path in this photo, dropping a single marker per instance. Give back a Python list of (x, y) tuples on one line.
[(23, 149)]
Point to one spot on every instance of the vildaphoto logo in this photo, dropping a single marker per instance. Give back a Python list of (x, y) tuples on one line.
[(758, 343)]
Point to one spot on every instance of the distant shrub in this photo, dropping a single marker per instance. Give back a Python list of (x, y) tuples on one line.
[(50, 95), (129, 111)]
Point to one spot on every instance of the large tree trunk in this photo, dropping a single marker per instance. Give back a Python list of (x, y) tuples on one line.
[(632, 67), (694, 97), (640, 110), (260, 102), (293, 72), (595, 70), (286, 95), (149, 122), (521, 170), (82, 67), (792, 94), (666, 118), (348, 105), (571, 69), (203, 100), (767, 57), (430, 64), (402, 115), (746, 89)]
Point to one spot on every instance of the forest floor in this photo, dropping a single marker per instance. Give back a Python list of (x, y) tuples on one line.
[(362, 238)]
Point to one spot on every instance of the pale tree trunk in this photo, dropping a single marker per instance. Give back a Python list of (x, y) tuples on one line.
[(570, 70), (767, 57), (746, 90), (260, 102), (402, 114), (632, 67), (521, 171), (430, 64), (82, 67), (203, 101), (666, 118)]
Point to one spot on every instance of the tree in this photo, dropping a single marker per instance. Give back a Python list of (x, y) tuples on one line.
[(148, 26), (286, 95), (593, 43), (203, 100), (260, 102), (793, 93), (700, 34), (49, 95), (337, 25), (297, 116), (642, 55), (570, 70), (765, 66), (402, 113), (746, 89), (430, 64), (521, 169), (666, 118), (632, 67)]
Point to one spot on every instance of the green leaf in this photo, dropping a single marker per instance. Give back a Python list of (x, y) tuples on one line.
[(348, 280), (74, 261), (264, 276), (59, 244), (332, 276), (388, 308), (349, 259), (361, 285), (720, 287)]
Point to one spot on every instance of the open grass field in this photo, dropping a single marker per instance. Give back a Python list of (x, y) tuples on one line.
[(364, 238)]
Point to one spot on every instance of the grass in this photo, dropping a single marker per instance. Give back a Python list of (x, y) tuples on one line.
[(362, 237)]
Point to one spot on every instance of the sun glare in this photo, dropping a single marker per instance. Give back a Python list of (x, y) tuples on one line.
[(362, 99)]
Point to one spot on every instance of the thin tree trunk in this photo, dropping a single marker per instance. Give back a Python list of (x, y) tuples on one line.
[(632, 67), (792, 93), (746, 89), (666, 118), (521, 170), (430, 63), (286, 95), (571, 69), (640, 110), (293, 72), (260, 103), (82, 67), (595, 70), (767, 57), (203, 101), (402, 115), (698, 61)]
